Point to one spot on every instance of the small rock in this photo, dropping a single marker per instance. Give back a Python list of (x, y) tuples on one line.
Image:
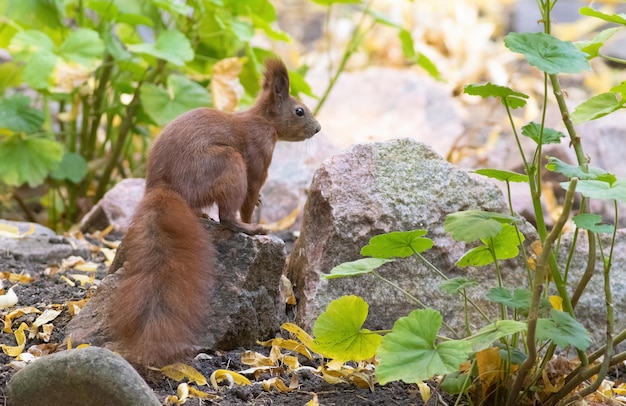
[(42, 246), (115, 208), (86, 376)]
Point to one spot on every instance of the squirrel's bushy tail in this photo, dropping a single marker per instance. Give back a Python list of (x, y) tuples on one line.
[(161, 302)]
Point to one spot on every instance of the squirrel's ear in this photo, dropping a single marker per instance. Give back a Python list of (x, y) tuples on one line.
[(276, 80)]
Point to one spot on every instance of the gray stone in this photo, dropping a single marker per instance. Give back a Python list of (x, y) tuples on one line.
[(245, 305), (381, 187), (43, 245), (116, 207), (87, 376)]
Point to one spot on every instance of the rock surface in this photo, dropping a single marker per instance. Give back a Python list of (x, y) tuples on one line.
[(42, 245), (87, 376), (116, 207), (245, 305), (375, 188)]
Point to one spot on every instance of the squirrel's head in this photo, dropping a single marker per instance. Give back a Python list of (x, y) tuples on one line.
[(292, 119)]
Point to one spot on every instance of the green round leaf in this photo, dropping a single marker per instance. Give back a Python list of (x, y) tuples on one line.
[(504, 246), (400, 244), (597, 189), (488, 334), (36, 50), (358, 267), (592, 48), (38, 70), (563, 330), (455, 285), (472, 225), (506, 95), (73, 167), (17, 115), (596, 107), (592, 222), (410, 353), (28, 160), (574, 171), (506, 176), (25, 43), (550, 136), (171, 46), (84, 47), (181, 95), (612, 18), (548, 53), (338, 332)]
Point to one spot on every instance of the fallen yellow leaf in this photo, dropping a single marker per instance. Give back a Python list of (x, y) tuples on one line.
[(230, 376), (291, 345), (180, 371), (17, 313), (183, 393), (83, 279), (276, 383), (256, 360), (198, 394), (314, 401), (20, 338), (300, 334), (424, 391), (46, 317), (74, 307), (17, 277)]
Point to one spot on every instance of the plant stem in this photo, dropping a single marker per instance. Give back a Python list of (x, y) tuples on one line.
[(413, 298), (604, 366), (350, 48), (98, 100), (538, 286), (124, 130)]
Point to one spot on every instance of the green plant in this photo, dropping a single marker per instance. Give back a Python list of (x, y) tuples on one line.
[(509, 357)]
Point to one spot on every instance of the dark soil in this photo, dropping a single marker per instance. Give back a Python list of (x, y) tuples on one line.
[(52, 291)]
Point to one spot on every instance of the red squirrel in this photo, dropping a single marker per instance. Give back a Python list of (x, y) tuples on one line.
[(203, 157)]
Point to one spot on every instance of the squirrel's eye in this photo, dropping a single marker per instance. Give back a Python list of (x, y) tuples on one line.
[(299, 111)]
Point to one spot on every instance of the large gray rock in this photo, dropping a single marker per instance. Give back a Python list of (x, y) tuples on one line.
[(396, 186), (245, 304), (87, 376)]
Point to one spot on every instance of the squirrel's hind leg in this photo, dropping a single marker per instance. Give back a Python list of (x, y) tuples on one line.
[(230, 191)]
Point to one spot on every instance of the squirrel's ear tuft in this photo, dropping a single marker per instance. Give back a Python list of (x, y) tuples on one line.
[(276, 79)]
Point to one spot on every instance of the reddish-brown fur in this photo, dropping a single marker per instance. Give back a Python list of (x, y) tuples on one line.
[(203, 157)]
